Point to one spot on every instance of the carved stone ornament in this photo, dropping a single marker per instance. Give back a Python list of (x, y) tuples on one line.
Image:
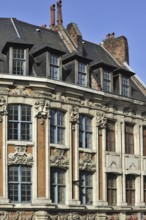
[(113, 217), (59, 216), (59, 160), (101, 120), (132, 217), (143, 115), (3, 107), (110, 107), (42, 109), (86, 163), (24, 92), (129, 112), (16, 215), (20, 156), (74, 116)]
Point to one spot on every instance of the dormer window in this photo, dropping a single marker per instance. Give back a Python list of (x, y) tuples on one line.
[(82, 74), (54, 67), (19, 61), (125, 86), (107, 81)]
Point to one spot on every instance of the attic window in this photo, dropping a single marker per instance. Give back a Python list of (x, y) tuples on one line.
[(82, 74), (107, 81), (125, 86), (54, 67), (19, 61)]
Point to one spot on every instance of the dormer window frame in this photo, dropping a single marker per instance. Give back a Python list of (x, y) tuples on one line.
[(82, 70), (50, 65), (105, 73), (124, 85), (18, 60)]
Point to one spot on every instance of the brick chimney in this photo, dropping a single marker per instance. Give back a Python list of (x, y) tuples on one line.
[(59, 13), (75, 35), (117, 47), (52, 21)]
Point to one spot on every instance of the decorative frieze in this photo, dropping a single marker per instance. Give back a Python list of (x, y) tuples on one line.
[(16, 215), (132, 217), (74, 116), (3, 107), (59, 160), (113, 217), (101, 120), (72, 216), (42, 107), (129, 112), (20, 156), (86, 163)]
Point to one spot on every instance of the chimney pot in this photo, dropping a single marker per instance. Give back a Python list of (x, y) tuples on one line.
[(108, 36), (59, 12), (52, 10), (44, 25), (113, 35)]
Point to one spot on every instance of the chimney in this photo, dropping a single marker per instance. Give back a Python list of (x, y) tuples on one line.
[(52, 22), (59, 12), (117, 47), (44, 25), (75, 35)]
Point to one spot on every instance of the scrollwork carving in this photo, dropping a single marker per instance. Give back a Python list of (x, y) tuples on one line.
[(86, 163), (42, 109), (59, 160), (20, 156), (74, 116), (101, 120), (3, 107)]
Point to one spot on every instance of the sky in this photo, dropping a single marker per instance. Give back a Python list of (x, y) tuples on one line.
[(95, 19)]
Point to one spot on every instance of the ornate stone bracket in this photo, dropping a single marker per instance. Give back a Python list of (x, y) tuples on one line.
[(59, 160), (74, 116), (86, 163), (20, 156), (42, 109), (101, 120), (3, 107)]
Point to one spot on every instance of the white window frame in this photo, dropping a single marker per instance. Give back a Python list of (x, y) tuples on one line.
[(24, 60)]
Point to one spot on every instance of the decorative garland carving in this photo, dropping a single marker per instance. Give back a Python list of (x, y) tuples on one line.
[(101, 120), (74, 116), (86, 163), (20, 156), (3, 107), (42, 107), (132, 217), (59, 160), (16, 215), (72, 216), (113, 217)]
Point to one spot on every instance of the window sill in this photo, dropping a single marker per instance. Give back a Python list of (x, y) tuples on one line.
[(88, 150), (20, 143), (60, 146)]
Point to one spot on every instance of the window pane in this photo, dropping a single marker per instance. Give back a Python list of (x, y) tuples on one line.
[(85, 131), (86, 187), (19, 124), (25, 193)]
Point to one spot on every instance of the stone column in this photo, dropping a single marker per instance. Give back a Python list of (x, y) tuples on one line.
[(42, 152), (74, 119), (101, 123)]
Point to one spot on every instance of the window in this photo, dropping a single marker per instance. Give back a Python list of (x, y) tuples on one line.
[(144, 141), (54, 67), (85, 131), (111, 189), (107, 82), (144, 186), (58, 185), (110, 136), (57, 127), (82, 74), (130, 189), (129, 139), (20, 183), (19, 122), (125, 86), (19, 61), (86, 188)]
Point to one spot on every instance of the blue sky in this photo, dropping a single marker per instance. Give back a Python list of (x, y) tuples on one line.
[(95, 19)]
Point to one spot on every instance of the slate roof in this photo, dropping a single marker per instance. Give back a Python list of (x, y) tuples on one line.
[(40, 39)]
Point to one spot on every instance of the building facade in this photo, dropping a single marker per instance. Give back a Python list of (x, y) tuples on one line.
[(72, 125)]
